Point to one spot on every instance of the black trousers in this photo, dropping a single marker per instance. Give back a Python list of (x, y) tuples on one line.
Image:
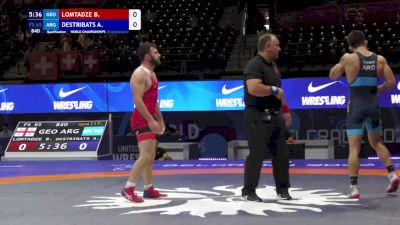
[(263, 136)]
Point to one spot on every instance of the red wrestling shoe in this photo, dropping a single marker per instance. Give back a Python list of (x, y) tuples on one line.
[(394, 183), (129, 194), (152, 193)]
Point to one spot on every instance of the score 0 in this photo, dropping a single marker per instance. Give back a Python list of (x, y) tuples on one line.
[(135, 19)]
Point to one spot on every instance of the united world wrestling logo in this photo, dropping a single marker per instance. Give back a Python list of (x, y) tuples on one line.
[(224, 200)]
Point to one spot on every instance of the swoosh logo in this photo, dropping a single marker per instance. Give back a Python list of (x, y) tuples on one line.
[(159, 88), (313, 89), (3, 90), (63, 94), (398, 86), (226, 91)]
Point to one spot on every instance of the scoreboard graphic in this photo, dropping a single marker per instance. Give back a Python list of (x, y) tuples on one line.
[(57, 139), (76, 21)]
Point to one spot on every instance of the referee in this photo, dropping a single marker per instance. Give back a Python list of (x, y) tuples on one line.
[(266, 115)]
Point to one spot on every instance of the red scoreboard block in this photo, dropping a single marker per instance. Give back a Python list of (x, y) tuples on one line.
[(93, 14), (23, 146)]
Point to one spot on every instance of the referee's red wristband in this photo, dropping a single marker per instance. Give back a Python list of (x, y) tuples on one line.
[(285, 109)]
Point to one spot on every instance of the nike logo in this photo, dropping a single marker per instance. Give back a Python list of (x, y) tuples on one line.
[(159, 88), (63, 94), (3, 89), (226, 91), (312, 89)]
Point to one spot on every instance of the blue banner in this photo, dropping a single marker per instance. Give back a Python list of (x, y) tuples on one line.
[(50, 25), (323, 93), (306, 93), (300, 93), (53, 98), (93, 24), (391, 98), (50, 14), (183, 96)]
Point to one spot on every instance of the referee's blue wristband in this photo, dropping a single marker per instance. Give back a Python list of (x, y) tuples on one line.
[(274, 90)]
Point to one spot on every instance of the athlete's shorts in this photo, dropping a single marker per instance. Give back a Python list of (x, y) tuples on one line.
[(357, 120), (144, 134)]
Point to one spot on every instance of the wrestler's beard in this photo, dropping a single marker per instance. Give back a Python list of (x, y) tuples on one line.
[(155, 62)]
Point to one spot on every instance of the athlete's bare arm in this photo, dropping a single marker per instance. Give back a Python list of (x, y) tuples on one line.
[(338, 70), (159, 118), (138, 82), (385, 71), (348, 65)]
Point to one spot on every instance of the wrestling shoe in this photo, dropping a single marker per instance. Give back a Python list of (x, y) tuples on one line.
[(354, 192), (152, 193), (129, 194), (394, 182)]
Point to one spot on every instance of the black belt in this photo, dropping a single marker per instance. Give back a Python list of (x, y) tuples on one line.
[(272, 111)]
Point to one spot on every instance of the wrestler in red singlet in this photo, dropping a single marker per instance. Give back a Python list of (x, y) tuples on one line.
[(146, 122), (139, 126)]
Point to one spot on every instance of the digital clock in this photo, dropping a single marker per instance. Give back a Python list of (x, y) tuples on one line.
[(58, 138), (35, 14)]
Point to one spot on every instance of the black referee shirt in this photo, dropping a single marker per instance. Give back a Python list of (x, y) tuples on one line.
[(268, 73)]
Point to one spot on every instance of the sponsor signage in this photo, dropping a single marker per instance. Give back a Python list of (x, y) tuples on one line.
[(393, 98), (306, 93), (300, 93), (183, 96), (53, 98)]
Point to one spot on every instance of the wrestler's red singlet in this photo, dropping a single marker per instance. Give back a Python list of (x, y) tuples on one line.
[(150, 100)]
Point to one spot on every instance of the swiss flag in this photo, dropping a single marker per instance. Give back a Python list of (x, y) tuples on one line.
[(90, 63), (43, 66), (68, 61)]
